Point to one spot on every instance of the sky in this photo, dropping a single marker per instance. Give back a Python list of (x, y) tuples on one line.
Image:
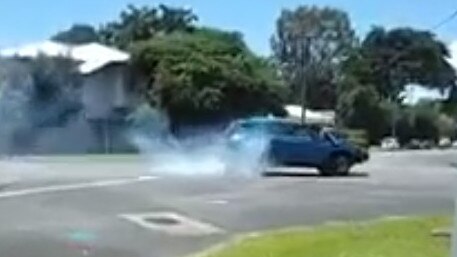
[(24, 21)]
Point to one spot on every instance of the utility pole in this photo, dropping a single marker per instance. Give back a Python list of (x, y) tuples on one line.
[(393, 121), (106, 136), (303, 98), (303, 66), (393, 102)]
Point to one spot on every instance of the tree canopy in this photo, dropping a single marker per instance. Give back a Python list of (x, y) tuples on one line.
[(207, 75), (385, 63), (199, 74), (196, 74), (143, 23), (77, 34), (392, 59), (310, 44)]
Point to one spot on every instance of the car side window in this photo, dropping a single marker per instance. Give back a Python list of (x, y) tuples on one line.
[(293, 130), (303, 133)]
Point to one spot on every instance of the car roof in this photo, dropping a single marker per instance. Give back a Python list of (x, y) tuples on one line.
[(267, 121)]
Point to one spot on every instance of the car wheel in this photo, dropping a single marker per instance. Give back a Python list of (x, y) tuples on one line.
[(337, 165)]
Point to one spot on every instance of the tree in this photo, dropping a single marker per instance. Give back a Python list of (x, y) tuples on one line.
[(207, 75), (392, 59), (173, 19), (388, 61), (361, 107), (310, 44), (77, 34), (423, 121), (449, 106), (143, 23), (447, 126)]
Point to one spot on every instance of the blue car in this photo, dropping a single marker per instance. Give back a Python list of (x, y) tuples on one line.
[(284, 142)]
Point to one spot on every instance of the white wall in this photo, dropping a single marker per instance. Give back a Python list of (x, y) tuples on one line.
[(104, 91)]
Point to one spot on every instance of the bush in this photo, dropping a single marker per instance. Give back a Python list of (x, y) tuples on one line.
[(423, 123), (447, 126), (361, 109)]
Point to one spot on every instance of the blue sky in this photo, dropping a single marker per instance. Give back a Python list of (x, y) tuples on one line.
[(23, 21)]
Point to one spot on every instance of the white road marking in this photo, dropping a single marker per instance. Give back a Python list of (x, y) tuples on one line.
[(146, 178), (218, 202), (185, 226), (72, 187)]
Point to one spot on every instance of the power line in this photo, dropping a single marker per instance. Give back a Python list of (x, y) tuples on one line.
[(444, 21)]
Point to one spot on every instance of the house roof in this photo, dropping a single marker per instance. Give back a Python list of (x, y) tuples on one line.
[(93, 56)]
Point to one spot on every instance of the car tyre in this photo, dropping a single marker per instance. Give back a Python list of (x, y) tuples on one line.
[(336, 165)]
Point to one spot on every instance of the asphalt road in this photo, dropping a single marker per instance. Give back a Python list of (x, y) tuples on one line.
[(66, 207)]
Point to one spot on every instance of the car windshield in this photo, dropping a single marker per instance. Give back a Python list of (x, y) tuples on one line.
[(256, 128)]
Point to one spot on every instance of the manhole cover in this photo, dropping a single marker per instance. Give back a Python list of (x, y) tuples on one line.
[(162, 221), (172, 223)]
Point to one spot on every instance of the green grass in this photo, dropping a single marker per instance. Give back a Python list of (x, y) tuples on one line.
[(390, 238)]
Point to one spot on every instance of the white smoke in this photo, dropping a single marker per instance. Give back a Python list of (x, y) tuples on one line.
[(205, 154), (33, 125)]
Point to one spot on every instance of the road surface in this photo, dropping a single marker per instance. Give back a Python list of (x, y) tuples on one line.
[(66, 207)]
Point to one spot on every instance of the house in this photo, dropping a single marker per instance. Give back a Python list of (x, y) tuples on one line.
[(106, 94)]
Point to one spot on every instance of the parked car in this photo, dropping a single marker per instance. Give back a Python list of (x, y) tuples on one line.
[(285, 142), (416, 144), (390, 143), (445, 143)]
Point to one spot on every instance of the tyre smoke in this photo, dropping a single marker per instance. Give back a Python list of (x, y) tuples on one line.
[(205, 154)]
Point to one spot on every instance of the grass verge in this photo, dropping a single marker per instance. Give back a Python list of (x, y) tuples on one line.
[(384, 238)]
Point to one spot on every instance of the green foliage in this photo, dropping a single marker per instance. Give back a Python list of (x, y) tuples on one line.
[(424, 122), (377, 73), (392, 59), (362, 108), (199, 74), (447, 126), (310, 44), (77, 34), (143, 23), (207, 75), (449, 106), (425, 126)]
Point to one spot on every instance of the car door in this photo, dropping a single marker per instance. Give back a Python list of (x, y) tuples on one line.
[(295, 146)]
